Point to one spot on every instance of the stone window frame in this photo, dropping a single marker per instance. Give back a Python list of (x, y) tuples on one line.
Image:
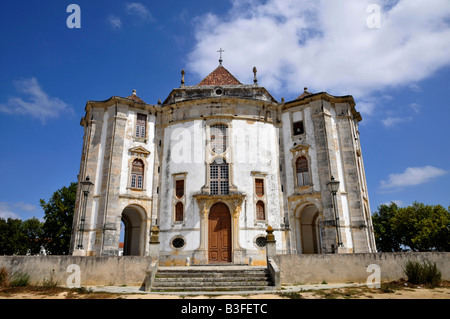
[(227, 139), (255, 239), (178, 237), (176, 200), (220, 168), (291, 123), (308, 171), (256, 198), (140, 138), (297, 152), (211, 156), (130, 175)]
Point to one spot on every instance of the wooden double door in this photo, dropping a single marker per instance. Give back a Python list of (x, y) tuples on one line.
[(219, 234)]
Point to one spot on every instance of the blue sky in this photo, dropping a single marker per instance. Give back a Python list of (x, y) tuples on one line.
[(395, 62)]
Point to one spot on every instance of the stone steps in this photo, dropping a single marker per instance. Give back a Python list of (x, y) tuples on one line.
[(212, 278)]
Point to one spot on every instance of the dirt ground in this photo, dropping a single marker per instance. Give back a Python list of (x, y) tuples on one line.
[(394, 290)]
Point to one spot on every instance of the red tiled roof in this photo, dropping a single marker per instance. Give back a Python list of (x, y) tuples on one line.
[(304, 94), (220, 76), (135, 98)]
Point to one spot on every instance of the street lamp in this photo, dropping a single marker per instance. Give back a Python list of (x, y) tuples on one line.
[(86, 187), (333, 186)]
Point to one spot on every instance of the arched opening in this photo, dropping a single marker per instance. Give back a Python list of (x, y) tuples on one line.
[(260, 212), (132, 231), (219, 234), (301, 166), (309, 236)]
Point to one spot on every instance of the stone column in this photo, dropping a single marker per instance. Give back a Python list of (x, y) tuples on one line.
[(154, 243), (271, 249)]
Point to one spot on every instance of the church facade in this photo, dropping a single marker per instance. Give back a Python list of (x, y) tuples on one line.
[(213, 166)]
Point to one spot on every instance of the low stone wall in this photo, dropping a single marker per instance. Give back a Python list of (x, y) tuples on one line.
[(94, 271), (294, 269), (343, 268)]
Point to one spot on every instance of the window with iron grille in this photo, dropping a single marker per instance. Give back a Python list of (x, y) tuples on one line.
[(219, 179), (218, 138), (137, 174), (178, 242), (141, 124), (302, 171), (261, 241)]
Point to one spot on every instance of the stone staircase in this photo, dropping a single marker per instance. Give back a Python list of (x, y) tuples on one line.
[(212, 278)]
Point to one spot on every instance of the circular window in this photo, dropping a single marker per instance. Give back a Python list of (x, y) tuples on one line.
[(260, 241), (178, 242), (219, 91)]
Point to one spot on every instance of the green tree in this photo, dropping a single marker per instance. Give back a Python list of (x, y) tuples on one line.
[(386, 237), (12, 237), (423, 227), (58, 219), (418, 227), (32, 230)]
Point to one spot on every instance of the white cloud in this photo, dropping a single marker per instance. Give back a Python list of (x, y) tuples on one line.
[(37, 103), (25, 206), (6, 212), (412, 176), (139, 10), (326, 45), (115, 22), (392, 121), (397, 202)]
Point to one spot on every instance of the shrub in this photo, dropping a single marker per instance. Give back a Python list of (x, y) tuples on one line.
[(19, 279), (3, 276), (50, 282), (425, 273)]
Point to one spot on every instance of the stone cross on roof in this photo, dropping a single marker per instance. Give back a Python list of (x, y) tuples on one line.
[(220, 58)]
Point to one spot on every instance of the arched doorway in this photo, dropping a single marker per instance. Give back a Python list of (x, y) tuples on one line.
[(219, 234), (132, 222), (309, 235)]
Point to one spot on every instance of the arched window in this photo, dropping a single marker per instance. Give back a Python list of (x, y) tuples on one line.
[(260, 213), (137, 174), (179, 212), (218, 176), (218, 138), (302, 171)]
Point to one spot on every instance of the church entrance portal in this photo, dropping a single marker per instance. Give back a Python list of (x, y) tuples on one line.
[(219, 234), (131, 219)]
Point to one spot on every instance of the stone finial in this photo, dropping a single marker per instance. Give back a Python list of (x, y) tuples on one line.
[(134, 92), (270, 236), (255, 79), (182, 77), (159, 101), (282, 100), (154, 237)]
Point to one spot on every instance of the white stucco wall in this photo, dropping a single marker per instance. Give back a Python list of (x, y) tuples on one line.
[(130, 142), (309, 139), (184, 145)]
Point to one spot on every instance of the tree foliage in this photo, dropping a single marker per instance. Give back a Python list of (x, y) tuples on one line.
[(19, 237), (58, 218), (418, 228)]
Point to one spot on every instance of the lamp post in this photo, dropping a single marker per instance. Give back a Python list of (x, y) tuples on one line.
[(333, 186), (86, 187)]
